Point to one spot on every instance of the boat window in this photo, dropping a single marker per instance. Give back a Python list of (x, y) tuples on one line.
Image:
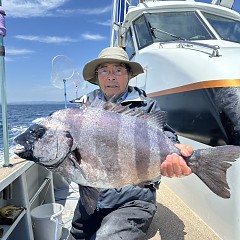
[(170, 26), (129, 46), (142, 32), (228, 29)]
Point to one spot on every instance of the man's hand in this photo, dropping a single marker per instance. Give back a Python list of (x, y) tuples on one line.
[(175, 165)]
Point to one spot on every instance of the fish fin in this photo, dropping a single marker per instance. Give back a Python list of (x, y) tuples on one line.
[(96, 102), (211, 165), (116, 107), (75, 155), (157, 118), (89, 198)]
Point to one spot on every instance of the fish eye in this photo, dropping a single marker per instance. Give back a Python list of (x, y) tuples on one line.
[(39, 132)]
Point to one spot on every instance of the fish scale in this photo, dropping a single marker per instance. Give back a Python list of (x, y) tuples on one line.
[(155, 150), (111, 146), (106, 139), (142, 146), (126, 149), (94, 135)]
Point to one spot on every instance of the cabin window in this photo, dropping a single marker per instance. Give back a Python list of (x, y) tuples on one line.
[(171, 26), (129, 46), (227, 29), (142, 31)]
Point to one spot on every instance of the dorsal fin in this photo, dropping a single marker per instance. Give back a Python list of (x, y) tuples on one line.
[(157, 118), (115, 107)]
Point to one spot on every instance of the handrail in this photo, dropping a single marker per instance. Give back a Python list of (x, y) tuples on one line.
[(215, 48)]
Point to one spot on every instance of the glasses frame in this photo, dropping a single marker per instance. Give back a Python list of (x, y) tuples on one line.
[(112, 70)]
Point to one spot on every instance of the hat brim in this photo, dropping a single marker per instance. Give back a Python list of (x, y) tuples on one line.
[(89, 70)]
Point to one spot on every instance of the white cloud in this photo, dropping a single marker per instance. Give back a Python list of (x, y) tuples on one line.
[(46, 39), (8, 59), (42, 8), (107, 23), (85, 11), (55, 39), (11, 52), (15, 51), (30, 8), (88, 36)]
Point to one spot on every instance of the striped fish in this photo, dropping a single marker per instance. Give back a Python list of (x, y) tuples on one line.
[(111, 146)]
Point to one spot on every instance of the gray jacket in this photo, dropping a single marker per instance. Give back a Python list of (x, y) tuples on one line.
[(113, 198)]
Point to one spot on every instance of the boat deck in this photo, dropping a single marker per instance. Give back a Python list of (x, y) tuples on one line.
[(173, 220)]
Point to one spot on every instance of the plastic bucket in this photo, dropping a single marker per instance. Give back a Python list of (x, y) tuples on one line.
[(47, 221)]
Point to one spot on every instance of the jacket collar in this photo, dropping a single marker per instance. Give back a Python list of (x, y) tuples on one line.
[(134, 95)]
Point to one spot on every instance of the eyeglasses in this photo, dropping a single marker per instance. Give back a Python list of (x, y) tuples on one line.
[(116, 70)]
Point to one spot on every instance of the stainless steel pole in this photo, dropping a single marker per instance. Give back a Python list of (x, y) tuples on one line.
[(3, 92)]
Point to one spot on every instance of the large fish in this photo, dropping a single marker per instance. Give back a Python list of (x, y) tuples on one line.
[(111, 146)]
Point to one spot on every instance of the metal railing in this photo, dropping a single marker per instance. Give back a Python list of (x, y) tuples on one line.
[(190, 44)]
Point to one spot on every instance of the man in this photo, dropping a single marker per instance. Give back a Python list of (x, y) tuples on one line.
[(124, 213)]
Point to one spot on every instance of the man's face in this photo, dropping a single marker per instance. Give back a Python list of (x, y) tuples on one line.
[(113, 78)]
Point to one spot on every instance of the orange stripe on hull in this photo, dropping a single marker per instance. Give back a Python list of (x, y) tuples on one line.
[(199, 85)]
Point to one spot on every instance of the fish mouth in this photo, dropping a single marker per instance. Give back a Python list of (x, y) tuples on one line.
[(24, 148), (25, 153)]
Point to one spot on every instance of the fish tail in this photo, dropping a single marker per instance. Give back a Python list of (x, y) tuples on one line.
[(211, 165)]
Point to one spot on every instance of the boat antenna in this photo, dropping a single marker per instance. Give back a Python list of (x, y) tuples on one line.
[(62, 72), (3, 87)]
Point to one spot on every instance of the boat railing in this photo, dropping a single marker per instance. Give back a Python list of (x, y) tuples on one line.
[(189, 44)]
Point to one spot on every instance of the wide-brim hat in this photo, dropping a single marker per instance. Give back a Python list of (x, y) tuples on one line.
[(110, 54)]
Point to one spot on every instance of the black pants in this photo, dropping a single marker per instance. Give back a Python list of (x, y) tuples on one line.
[(129, 222)]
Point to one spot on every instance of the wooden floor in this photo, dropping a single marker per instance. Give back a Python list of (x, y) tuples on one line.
[(172, 221)]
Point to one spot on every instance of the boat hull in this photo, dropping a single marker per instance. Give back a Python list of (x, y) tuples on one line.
[(210, 115), (201, 98)]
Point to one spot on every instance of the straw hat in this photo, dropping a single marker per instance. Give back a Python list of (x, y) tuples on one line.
[(110, 54)]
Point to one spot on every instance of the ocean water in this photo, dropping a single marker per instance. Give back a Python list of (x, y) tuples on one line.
[(20, 117)]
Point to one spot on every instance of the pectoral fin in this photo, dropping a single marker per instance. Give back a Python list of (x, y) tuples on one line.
[(89, 198)]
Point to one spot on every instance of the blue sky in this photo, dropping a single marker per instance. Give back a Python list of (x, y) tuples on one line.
[(39, 30)]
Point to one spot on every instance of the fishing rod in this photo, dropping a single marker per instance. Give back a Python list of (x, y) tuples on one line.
[(3, 87)]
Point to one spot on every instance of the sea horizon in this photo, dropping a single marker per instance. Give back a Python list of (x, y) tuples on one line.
[(36, 102)]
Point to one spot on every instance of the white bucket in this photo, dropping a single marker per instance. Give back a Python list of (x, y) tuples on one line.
[(47, 221)]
